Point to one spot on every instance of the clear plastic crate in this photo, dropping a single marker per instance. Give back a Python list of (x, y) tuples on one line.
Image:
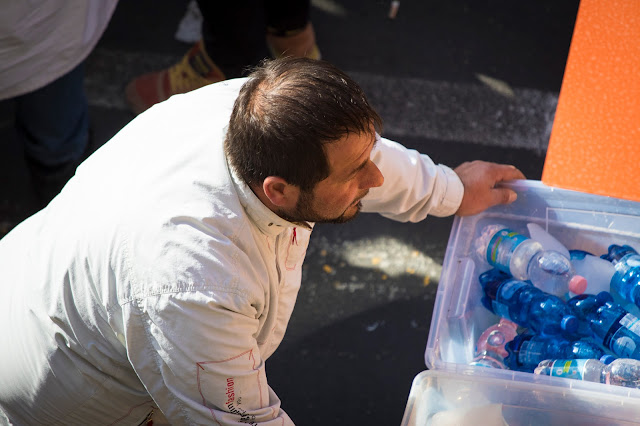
[(442, 397), (579, 221)]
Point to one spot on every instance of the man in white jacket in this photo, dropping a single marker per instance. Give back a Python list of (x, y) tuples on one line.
[(165, 273)]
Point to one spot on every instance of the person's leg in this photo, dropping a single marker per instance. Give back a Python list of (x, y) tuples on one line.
[(232, 39), (53, 124), (289, 32), (233, 34), (286, 17)]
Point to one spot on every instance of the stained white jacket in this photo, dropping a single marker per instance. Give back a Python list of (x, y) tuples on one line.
[(158, 279)]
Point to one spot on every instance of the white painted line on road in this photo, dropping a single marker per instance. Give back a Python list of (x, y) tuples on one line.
[(482, 113), (461, 112)]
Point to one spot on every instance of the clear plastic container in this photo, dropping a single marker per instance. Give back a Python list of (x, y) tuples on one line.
[(578, 221), (463, 398)]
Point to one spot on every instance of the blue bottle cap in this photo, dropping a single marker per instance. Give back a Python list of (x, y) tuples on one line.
[(604, 297), (492, 275), (607, 359), (569, 323), (578, 254), (617, 252), (516, 343)]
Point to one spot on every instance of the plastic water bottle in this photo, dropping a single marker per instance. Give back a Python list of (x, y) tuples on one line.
[(490, 347), (616, 329), (571, 368), (596, 270), (526, 351), (626, 279), (584, 307), (526, 305), (620, 372), (488, 359), (525, 259)]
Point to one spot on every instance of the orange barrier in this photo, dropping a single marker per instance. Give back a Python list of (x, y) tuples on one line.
[(595, 140)]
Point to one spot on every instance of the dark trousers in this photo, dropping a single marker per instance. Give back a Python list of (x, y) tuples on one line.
[(53, 125), (53, 121), (234, 31)]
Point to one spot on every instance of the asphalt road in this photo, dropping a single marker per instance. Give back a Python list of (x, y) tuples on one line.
[(459, 80)]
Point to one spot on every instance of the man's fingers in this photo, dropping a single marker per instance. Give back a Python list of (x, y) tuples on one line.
[(480, 181), (507, 172), (503, 195)]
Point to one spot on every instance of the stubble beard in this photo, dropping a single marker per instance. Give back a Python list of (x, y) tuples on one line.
[(304, 212)]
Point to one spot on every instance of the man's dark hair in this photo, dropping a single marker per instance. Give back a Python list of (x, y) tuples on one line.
[(285, 113)]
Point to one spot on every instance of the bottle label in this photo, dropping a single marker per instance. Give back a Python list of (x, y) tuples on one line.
[(570, 369), (501, 248), (624, 337)]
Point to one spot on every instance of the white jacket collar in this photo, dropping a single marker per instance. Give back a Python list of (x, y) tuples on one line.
[(265, 219)]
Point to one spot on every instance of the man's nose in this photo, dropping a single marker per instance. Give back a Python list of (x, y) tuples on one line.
[(374, 176)]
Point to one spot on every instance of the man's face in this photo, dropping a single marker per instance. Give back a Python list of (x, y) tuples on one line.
[(336, 199)]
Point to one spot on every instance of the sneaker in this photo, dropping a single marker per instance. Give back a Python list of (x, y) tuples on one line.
[(195, 70), (298, 44)]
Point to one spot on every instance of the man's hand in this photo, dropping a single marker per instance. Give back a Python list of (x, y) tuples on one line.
[(479, 179)]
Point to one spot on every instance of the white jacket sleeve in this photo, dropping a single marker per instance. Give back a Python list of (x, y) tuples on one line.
[(414, 186), (196, 355)]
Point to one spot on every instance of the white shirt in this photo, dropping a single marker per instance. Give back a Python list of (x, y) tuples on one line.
[(42, 40), (158, 279)]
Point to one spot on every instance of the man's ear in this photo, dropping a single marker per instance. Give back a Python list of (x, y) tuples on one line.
[(280, 192)]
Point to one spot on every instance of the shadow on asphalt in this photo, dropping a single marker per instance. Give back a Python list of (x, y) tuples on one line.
[(374, 357)]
